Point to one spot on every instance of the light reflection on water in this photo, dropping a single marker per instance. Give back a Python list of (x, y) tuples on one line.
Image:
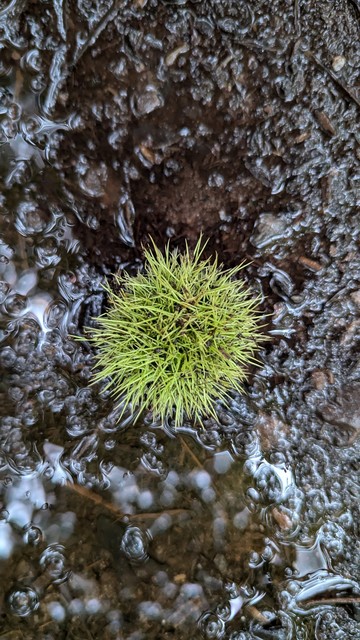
[(34, 516)]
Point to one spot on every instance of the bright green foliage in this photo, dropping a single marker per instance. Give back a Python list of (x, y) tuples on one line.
[(177, 336)]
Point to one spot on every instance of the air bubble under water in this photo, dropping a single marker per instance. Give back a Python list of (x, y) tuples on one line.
[(134, 545), (23, 601)]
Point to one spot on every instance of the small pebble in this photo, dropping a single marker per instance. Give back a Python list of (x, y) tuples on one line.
[(338, 62)]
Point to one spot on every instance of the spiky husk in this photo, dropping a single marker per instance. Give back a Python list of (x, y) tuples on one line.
[(177, 336)]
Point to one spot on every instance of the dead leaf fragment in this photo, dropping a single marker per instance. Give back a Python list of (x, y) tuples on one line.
[(324, 122)]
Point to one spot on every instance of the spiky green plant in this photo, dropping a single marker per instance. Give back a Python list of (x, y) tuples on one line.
[(177, 336)]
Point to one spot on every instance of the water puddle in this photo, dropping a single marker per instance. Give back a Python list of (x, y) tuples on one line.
[(166, 119)]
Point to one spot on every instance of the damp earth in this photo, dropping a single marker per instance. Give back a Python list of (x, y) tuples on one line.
[(125, 120)]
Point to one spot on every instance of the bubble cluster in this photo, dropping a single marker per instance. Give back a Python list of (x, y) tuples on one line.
[(23, 601)]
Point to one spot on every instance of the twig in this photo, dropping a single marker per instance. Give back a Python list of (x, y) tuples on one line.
[(309, 263), (345, 600), (101, 25), (256, 614), (156, 514), (297, 17), (345, 89), (96, 499), (191, 453)]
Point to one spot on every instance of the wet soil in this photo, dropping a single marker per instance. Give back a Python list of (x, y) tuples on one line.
[(167, 119)]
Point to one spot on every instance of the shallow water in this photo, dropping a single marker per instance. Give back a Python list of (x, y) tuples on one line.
[(125, 120)]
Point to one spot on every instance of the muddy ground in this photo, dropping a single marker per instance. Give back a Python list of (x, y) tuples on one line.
[(125, 120)]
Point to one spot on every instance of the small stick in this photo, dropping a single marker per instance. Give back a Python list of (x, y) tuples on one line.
[(256, 614), (93, 497), (349, 92), (297, 17), (345, 600), (191, 453), (309, 263)]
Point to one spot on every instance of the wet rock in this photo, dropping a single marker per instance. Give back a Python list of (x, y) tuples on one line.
[(146, 101), (269, 230), (344, 412), (338, 62), (92, 180)]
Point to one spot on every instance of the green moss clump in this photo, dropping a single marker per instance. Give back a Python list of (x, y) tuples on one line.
[(177, 336)]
